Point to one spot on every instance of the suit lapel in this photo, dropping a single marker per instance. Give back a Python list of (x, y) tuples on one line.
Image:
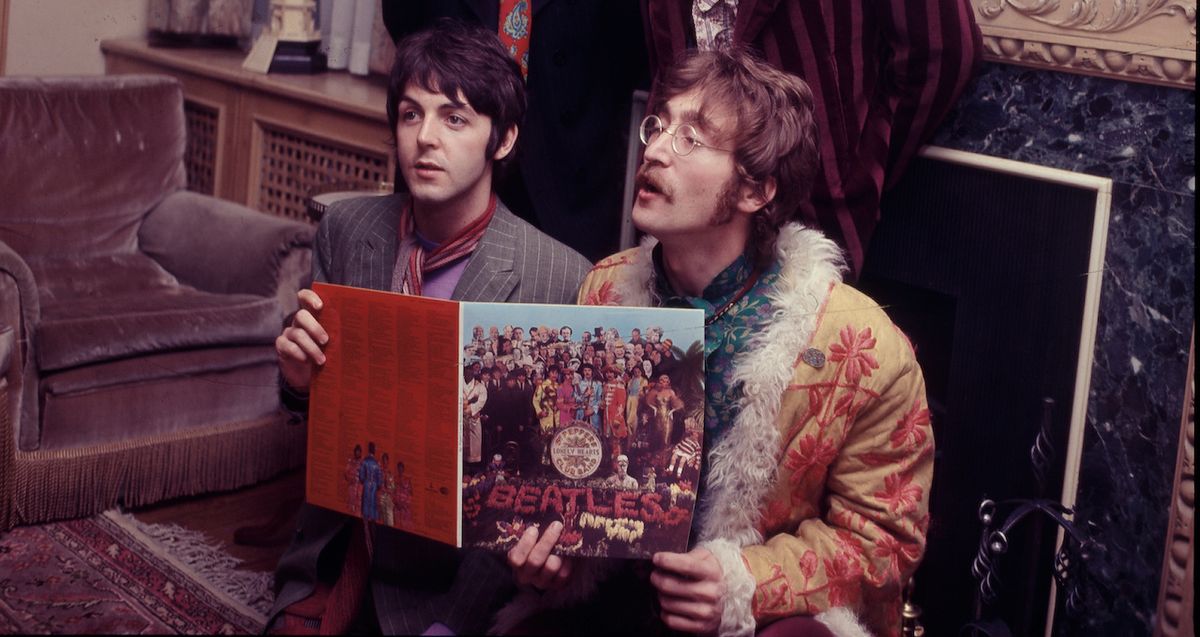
[(489, 274), (375, 244)]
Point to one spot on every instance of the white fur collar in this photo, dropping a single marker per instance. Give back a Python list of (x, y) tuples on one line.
[(743, 466)]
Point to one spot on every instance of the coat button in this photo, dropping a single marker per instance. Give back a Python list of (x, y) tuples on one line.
[(814, 357)]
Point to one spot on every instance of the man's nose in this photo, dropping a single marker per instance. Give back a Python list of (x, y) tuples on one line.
[(658, 151), (427, 134)]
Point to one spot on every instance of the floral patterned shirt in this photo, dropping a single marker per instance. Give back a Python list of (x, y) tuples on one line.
[(726, 336)]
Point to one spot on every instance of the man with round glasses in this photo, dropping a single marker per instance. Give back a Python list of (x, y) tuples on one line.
[(818, 454)]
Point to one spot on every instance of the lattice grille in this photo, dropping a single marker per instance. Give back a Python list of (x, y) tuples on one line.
[(293, 167), (200, 156)]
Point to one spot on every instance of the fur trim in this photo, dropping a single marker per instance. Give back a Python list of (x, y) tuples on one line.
[(842, 622), (743, 467), (738, 616)]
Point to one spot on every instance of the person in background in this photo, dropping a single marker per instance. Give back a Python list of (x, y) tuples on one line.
[(883, 76)]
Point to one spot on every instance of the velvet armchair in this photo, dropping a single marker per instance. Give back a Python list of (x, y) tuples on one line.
[(137, 319)]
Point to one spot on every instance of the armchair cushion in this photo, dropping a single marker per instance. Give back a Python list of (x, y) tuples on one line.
[(156, 395), (220, 246), (84, 158), (97, 309)]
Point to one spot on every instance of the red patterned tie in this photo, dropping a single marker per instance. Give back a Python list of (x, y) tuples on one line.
[(516, 20)]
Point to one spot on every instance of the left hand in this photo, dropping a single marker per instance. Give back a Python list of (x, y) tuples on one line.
[(533, 562), (691, 590)]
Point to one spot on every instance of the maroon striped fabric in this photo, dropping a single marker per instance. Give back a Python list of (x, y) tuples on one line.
[(883, 75)]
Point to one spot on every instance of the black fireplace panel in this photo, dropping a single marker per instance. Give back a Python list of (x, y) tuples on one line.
[(986, 272)]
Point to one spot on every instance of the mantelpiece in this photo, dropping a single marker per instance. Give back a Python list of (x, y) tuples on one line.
[(1151, 41)]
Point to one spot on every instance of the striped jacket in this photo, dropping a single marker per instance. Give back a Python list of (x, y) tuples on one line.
[(883, 75)]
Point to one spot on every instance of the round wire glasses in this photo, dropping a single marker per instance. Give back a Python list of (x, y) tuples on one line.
[(684, 139)]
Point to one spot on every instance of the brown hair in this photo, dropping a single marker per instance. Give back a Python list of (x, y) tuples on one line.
[(454, 58), (773, 134)]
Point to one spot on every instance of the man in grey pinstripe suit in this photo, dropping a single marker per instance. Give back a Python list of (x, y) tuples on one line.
[(454, 101)]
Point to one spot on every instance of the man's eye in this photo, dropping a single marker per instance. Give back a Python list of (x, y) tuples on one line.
[(409, 116), (456, 120)]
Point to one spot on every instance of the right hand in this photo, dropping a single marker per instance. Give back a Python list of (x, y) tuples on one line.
[(534, 565), (300, 346)]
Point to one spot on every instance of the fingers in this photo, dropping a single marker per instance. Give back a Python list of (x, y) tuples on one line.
[(299, 346), (564, 574), (696, 564), (687, 624), (691, 590), (518, 554), (689, 616), (671, 586), (310, 301), (532, 562)]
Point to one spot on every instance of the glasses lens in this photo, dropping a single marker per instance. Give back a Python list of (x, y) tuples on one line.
[(651, 127), (686, 139)]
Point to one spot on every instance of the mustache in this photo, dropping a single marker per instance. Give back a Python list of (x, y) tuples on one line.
[(650, 181)]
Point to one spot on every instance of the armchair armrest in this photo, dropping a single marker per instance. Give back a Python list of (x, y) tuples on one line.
[(223, 247), (20, 311)]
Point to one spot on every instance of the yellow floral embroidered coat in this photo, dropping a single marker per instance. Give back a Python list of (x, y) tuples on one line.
[(833, 445)]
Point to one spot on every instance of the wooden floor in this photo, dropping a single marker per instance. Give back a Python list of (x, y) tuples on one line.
[(220, 515)]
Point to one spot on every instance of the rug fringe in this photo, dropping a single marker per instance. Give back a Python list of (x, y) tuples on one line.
[(207, 560)]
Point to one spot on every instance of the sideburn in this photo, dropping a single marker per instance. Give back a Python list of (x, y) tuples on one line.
[(727, 203)]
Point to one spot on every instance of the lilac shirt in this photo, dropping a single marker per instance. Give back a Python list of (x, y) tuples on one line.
[(438, 284)]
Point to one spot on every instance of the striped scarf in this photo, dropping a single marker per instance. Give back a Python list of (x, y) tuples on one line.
[(460, 245)]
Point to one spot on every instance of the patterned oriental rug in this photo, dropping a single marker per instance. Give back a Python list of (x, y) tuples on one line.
[(112, 574)]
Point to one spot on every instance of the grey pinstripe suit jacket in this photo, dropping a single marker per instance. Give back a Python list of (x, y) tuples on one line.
[(415, 581)]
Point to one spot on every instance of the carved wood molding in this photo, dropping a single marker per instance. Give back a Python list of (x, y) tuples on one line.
[(1175, 593), (1151, 41)]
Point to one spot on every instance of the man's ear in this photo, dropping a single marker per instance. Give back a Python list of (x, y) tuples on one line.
[(506, 144), (751, 199)]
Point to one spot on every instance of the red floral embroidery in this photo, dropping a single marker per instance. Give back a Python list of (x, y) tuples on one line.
[(776, 515), (849, 406), (812, 454), (852, 350), (603, 295), (774, 593), (912, 424), (891, 552), (808, 564), (844, 574), (899, 493), (848, 542)]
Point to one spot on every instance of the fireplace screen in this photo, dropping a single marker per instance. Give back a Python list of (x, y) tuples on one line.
[(993, 269)]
